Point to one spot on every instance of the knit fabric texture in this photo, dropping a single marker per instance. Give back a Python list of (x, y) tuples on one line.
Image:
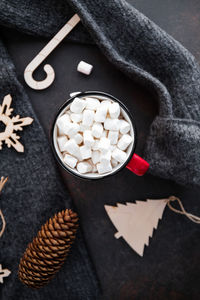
[(147, 55)]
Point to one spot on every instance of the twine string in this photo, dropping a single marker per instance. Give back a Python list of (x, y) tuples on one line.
[(3, 223), (2, 183), (182, 210)]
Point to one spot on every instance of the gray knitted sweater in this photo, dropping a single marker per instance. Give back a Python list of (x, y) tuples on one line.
[(146, 54)]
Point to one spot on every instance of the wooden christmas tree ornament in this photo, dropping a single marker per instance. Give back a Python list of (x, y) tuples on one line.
[(42, 55), (12, 124), (46, 254), (135, 222)]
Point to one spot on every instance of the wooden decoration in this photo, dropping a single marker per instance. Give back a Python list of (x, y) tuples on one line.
[(135, 221), (12, 124), (4, 273), (34, 64)]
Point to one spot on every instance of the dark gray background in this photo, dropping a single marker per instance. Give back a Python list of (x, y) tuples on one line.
[(170, 267)]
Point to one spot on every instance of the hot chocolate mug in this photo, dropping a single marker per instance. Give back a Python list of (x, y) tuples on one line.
[(134, 163)]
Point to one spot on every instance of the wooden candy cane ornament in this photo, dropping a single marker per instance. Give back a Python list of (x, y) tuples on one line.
[(42, 55)]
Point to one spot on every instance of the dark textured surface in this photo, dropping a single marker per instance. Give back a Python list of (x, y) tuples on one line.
[(170, 267)]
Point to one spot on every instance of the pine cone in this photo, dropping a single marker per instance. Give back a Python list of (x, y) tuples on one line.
[(46, 254)]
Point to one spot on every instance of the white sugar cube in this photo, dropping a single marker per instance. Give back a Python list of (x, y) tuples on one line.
[(84, 68), (104, 168), (114, 110), (88, 138), (62, 123), (114, 162), (85, 152), (105, 157), (100, 115), (124, 126), (104, 144), (72, 148), (61, 142), (96, 145), (111, 124), (72, 129), (88, 117), (113, 137), (124, 141), (84, 167), (97, 130), (92, 103), (70, 160), (78, 138), (76, 118), (119, 155), (95, 157), (78, 105)]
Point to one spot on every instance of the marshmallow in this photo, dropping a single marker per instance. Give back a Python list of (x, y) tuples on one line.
[(113, 137), (96, 145), (61, 142), (74, 94), (95, 157), (119, 155), (111, 124), (85, 152), (105, 133), (88, 117), (84, 167), (72, 129), (106, 103), (100, 115), (124, 126), (78, 138), (70, 160), (76, 118), (97, 130), (105, 157), (82, 127), (62, 123), (113, 147), (88, 138), (84, 68), (104, 144), (94, 168), (124, 141), (77, 106), (114, 110), (104, 168), (92, 103), (114, 162), (72, 148)]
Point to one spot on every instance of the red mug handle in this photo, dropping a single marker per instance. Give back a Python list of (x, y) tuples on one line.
[(138, 165)]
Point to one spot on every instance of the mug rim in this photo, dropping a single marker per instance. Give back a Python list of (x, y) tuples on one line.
[(66, 103)]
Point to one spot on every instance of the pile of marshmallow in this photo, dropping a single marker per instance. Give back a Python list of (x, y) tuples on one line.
[(93, 135)]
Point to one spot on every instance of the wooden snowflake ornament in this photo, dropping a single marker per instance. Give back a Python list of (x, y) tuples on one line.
[(135, 222), (4, 273), (12, 124)]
